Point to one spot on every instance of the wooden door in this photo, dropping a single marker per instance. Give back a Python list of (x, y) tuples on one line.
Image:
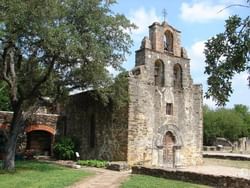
[(168, 155)]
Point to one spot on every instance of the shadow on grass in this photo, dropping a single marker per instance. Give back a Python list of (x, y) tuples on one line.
[(35, 174), (31, 165)]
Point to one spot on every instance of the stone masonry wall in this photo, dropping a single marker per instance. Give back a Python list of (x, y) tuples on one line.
[(140, 134), (110, 128), (38, 122), (206, 179), (156, 36), (148, 122), (48, 120)]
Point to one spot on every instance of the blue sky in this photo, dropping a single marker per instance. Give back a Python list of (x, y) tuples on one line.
[(197, 20)]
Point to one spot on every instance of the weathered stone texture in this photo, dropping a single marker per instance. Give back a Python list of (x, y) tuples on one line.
[(108, 139), (206, 179), (163, 101), (38, 134), (148, 121), (48, 120)]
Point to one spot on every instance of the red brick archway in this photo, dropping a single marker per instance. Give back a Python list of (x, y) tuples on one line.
[(40, 138), (4, 126), (46, 128), (40, 142)]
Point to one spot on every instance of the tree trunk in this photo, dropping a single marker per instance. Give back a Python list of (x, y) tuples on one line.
[(10, 148), (9, 160)]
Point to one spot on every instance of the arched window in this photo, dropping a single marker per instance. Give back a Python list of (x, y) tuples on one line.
[(177, 76), (168, 41), (159, 73)]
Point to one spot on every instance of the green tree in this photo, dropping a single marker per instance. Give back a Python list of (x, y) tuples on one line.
[(4, 99), (50, 47), (227, 123), (244, 112), (227, 54)]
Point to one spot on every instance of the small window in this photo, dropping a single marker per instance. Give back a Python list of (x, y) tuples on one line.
[(169, 109)]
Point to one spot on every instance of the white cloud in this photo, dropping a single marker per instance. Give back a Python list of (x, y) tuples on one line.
[(241, 90), (228, 2), (196, 55), (197, 66), (239, 83), (209, 102), (142, 18), (241, 78), (203, 11), (112, 71)]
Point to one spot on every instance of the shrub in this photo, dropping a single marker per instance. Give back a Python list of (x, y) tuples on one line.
[(93, 163), (64, 149)]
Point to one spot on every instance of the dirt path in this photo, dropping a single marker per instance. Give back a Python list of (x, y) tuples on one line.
[(103, 179)]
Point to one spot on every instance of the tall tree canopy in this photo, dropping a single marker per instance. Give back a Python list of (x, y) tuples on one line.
[(52, 46), (227, 54)]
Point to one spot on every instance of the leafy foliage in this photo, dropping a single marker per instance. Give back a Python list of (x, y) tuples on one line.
[(60, 43), (93, 163), (48, 48), (64, 149), (228, 123), (4, 97), (119, 89), (115, 95), (227, 54)]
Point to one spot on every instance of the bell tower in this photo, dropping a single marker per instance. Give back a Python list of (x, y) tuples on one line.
[(165, 38), (165, 109)]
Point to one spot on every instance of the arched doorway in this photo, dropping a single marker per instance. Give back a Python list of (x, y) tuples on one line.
[(168, 153), (39, 141)]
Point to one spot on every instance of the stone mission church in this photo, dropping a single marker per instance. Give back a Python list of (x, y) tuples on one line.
[(162, 124)]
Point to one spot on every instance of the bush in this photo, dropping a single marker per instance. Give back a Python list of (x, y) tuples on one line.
[(93, 163), (64, 149), (231, 124)]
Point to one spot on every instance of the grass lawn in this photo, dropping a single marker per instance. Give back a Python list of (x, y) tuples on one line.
[(142, 181), (226, 162), (33, 174)]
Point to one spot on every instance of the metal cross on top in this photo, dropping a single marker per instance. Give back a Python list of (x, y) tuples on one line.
[(164, 12)]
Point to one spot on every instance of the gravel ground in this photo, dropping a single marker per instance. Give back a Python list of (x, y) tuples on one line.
[(220, 171)]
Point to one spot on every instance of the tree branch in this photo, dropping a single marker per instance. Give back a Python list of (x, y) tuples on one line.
[(44, 78), (233, 5), (5, 67)]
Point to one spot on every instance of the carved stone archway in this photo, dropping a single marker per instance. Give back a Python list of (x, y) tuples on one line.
[(168, 142), (168, 149)]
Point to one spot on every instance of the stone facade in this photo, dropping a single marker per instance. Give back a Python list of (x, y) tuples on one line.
[(242, 145), (164, 102), (99, 130), (38, 134), (163, 123)]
